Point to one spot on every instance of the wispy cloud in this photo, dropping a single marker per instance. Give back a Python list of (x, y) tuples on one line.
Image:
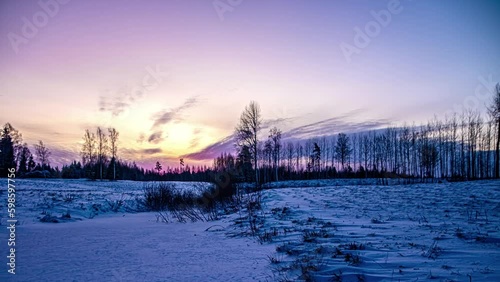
[(165, 117), (196, 139), (326, 127), (214, 150), (116, 104), (141, 138), (156, 137), (332, 126), (266, 124), (135, 153), (194, 143), (152, 151), (175, 114), (341, 123)]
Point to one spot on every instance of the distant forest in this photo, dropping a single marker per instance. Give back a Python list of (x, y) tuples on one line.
[(464, 146)]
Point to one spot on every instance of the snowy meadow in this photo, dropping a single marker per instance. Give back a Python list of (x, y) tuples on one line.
[(78, 230)]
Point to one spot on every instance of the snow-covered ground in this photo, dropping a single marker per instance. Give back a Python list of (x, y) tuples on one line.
[(134, 247), (447, 232), (82, 199), (100, 243)]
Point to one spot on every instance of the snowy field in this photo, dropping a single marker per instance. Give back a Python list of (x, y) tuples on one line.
[(82, 199), (445, 232)]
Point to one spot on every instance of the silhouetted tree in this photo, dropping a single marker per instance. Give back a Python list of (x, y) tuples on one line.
[(247, 133), (316, 158), (113, 147), (158, 168), (290, 149), (267, 155), (24, 157), (7, 151), (88, 153), (31, 163), (42, 153), (429, 159), (102, 149), (343, 149), (275, 138), (494, 111), (244, 164), (74, 170)]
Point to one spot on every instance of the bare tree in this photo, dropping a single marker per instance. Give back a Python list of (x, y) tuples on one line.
[(113, 147), (453, 145), (343, 149), (102, 147), (88, 152), (275, 138), (494, 111), (324, 154), (308, 148), (333, 142), (267, 154), (289, 156), (366, 152), (360, 152), (247, 133), (488, 138), (405, 141), (43, 153), (316, 158), (473, 122), (299, 150), (463, 133), (354, 139), (88, 148)]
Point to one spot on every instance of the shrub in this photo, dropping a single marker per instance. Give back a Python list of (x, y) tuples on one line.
[(66, 215), (353, 246), (310, 236), (266, 237), (352, 259), (69, 198), (49, 218), (202, 205), (274, 259), (158, 197), (115, 205)]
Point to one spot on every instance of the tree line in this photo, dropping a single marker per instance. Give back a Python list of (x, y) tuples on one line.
[(99, 160), (463, 146), (14, 153), (99, 154)]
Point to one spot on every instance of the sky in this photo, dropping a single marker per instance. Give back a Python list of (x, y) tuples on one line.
[(174, 76)]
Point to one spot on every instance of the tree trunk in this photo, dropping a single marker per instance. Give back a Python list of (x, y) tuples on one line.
[(497, 161), (256, 166)]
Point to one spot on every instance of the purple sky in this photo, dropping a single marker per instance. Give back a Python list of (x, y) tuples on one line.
[(173, 76)]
